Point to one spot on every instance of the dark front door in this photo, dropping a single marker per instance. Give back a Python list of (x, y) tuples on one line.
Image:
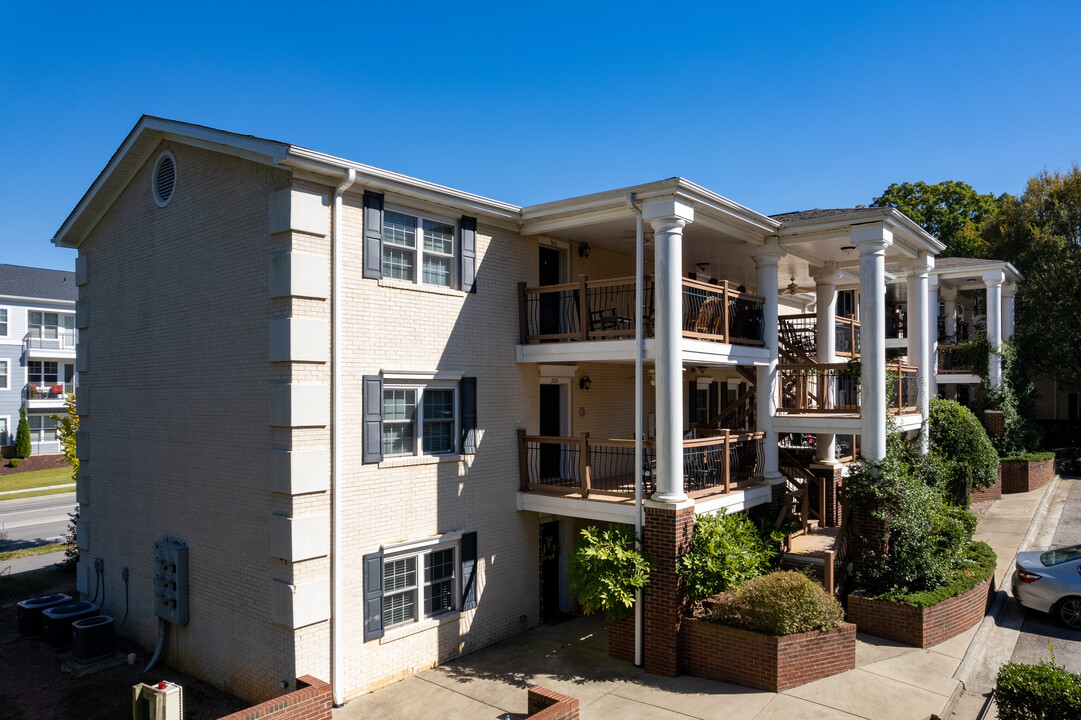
[(549, 572), (550, 425), (549, 302)]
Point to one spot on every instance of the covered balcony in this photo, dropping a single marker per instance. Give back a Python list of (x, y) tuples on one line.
[(48, 396), (584, 477)]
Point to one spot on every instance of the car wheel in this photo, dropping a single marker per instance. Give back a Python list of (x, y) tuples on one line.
[(1069, 612)]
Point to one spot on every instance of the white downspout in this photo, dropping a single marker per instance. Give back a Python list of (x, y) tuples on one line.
[(639, 351), (336, 669)]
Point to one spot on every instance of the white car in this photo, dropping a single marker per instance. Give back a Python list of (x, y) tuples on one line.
[(1050, 582)]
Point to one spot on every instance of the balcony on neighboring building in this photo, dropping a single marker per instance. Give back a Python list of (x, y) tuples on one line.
[(47, 396), (50, 342), (604, 310)]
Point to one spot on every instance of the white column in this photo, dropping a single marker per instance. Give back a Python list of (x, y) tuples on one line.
[(949, 299), (993, 280), (919, 334), (766, 258), (932, 351), (826, 343), (872, 240), (668, 216), (1009, 290)]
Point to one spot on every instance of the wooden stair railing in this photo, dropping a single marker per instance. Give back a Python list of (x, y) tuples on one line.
[(800, 477)]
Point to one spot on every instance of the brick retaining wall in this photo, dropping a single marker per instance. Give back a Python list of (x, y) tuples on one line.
[(992, 493), (766, 662), (311, 701), (920, 627), (547, 704), (1019, 476)]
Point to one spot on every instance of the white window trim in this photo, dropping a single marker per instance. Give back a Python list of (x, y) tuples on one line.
[(418, 251), (7, 374), (7, 428), (418, 549), (418, 422), (6, 321)]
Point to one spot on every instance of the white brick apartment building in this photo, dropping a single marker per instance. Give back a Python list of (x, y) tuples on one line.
[(342, 390)]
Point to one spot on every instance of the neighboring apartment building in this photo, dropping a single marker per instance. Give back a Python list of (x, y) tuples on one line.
[(377, 411), (37, 352)]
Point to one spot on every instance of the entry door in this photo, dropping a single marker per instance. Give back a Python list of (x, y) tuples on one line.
[(551, 273), (551, 424), (549, 572)]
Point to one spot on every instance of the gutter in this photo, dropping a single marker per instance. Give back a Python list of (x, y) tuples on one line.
[(336, 663), (639, 351)]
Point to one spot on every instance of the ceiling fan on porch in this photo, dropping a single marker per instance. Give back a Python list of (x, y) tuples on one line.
[(794, 288)]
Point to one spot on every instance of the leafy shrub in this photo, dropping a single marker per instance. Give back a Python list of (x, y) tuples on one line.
[(1032, 456), (1015, 397), (927, 537), (780, 603), (606, 569), (979, 565), (1038, 692), (22, 436), (964, 454), (14, 462), (726, 551)]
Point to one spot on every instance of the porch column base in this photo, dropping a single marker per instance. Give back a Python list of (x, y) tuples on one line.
[(667, 536), (831, 474)]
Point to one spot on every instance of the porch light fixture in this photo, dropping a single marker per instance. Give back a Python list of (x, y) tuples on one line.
[(583, 250), (585, 383)]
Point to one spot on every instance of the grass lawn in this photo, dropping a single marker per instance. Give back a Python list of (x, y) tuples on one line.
[(31, 551), (37, 478)]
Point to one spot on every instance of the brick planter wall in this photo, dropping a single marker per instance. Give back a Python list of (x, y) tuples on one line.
[(992, 493), (1019, 476), (621, 639), (549, 705), (311, 701), (920, 627), (766, 662)]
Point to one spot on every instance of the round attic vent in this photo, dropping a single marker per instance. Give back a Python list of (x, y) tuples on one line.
[(164, 179)]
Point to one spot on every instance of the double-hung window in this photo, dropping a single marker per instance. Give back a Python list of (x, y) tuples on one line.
[(419, 420), (418, 249), (4, 439), (42, 428), (49, 330), (420, 584), (41, 372), (3, 374), (3, 322)]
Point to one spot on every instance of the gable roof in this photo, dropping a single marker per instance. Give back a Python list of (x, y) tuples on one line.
[(31, 282)]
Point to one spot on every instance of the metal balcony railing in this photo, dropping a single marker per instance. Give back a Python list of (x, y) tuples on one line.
[(47, 391)]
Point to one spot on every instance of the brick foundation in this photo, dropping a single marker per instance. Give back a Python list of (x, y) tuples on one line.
[(766, 662), (549, 705), (993, 422), (920, 627), (312, 700), (667, 536), (1018, 476)]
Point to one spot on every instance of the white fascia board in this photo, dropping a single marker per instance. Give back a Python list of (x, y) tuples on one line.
[(18, 298), (334, 167), (734, 501), (957, 379), (600, 510), (951, 273), (702, 352), (582, 352), (909, 421), (837, 424)]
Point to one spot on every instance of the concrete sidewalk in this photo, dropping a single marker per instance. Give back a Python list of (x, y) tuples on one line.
[(890, 682)]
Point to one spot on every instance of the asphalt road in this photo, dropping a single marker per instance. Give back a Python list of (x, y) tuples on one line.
[(35, 521), (1039, 628)]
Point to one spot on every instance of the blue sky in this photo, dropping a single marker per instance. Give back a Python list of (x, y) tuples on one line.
[(778, 106)]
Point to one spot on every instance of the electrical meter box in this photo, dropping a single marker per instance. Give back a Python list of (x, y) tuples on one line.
[(171, 581)]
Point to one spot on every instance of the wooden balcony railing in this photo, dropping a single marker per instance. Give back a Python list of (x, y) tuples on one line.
[(604, 310), (833, 388), (581, 466), (800, 333)]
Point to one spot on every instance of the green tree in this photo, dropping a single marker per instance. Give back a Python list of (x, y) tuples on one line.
[(66, 427), (951, 211), (22, 436), (1040, 234), (606, 569)]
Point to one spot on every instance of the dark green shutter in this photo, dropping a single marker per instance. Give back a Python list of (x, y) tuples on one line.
[(373, 234), (373, 596), (468, 263), (469, 571), (692, 401), (468, 402), (372, 419), (714, 390)]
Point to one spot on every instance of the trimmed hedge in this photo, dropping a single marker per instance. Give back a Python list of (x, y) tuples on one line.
[(1031, 457), (965, 456), (979, 564), (780, 603), (1038, 692)]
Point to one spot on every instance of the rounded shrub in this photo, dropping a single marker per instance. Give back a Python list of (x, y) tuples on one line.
[(780, 603), (962, 451), (14, 462)]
